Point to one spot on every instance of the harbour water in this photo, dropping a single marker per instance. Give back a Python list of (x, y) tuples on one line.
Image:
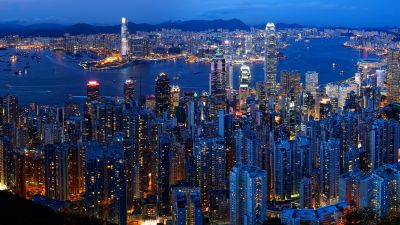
[(56, 76)]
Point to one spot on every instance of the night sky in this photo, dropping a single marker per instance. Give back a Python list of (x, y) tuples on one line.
[(355, 13)]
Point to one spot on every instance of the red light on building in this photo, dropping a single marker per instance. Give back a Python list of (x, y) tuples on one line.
[(93, 91), (238, 114), (93, 83)]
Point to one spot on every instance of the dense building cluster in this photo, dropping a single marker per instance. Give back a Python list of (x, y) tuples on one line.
[(301, 152)]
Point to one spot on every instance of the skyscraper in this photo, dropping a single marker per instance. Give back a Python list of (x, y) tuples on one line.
[(248, 195), (129, 90), (393, 76), (329, 153), (270, 63), (290, 80), (124, 38), (306, 193), (163, 187), (93, 91), (312, 82), (55, 161), (186, 206), (163, 91), (244, 79), (379, 190), (210, 158), (175, 94), (218, 83)]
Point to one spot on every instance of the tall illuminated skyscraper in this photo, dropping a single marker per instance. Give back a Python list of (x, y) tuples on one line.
[(129, 90), (175, 94), (244, 79), (393, 76), (270, 63), (218, 83), (93, 91), (163, 91), (124, 38), (312, 82)]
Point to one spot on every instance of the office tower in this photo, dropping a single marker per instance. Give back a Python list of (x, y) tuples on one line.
[(163, 91), (329, 171), (229, 69), (186, 206), (271, 62), (248, 195), (344, 90), (93, 91), (12, 110), (248, 43), (312, 82), (306, 200), (393, 76), (380, 78), (124, 38), (217, 83), (229, 142), (261, 96), (244, 89), (56, 172), (163, 186), (290, 80), (129, 90), (380, 190), (210, 158), (175, 97)]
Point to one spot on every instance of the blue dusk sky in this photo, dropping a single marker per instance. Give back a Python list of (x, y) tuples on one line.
[(354, 13)]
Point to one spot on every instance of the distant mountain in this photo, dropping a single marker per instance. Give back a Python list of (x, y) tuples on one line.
[(201, 25), (54, 30), (50, 29)]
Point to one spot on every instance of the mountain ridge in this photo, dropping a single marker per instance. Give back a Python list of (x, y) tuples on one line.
[(54, 29)]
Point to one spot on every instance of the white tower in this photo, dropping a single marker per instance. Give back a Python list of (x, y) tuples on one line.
[(124, 38)]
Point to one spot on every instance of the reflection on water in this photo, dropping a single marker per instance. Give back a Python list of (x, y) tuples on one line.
[(55, 76)]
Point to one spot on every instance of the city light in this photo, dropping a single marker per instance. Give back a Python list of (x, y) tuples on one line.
[(201, 121)]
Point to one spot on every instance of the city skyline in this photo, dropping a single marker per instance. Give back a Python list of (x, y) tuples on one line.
[(204, 123), (312, 13)]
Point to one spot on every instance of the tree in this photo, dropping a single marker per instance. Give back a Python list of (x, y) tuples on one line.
[(364, 216)]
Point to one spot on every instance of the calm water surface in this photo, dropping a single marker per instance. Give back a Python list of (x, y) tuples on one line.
[(56, 76)]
